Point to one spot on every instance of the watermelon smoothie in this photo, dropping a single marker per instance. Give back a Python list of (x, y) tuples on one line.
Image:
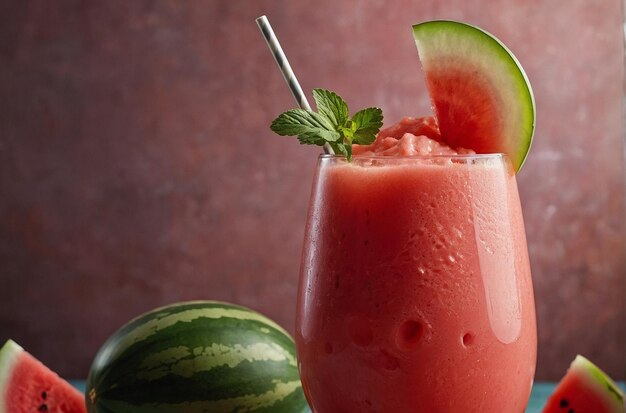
[(415, 290)]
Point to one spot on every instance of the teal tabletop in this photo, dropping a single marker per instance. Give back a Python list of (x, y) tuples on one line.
[(541, 392)]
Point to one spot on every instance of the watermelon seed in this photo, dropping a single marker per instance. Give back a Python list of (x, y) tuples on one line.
[(43, 408), (564, 403), (44, 395)]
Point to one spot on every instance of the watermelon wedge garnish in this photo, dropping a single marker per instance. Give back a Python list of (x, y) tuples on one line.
[(27, 386), (586, 389), (480, 94)]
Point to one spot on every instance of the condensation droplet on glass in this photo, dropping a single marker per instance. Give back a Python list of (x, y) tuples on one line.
[(458, 232), (409, 334), (468, 339)]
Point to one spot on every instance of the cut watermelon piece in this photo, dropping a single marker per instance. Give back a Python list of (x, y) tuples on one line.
[(481, 96), (26, 385), (586, 389)]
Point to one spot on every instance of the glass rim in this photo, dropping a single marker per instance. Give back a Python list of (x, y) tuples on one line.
[(469, 156)]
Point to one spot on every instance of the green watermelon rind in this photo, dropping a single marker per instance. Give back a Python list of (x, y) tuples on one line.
[(9, 355), (435, 38), (119, 373), (600, 381), (122, 333)]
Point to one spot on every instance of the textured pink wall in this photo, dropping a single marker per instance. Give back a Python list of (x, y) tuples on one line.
[(137, 167)]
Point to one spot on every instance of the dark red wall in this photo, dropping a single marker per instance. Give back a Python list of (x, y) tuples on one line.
[(137, 167)]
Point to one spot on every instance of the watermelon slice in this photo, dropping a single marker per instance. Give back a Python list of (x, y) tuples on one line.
[(26, 385), (481, 96), (586, 389)]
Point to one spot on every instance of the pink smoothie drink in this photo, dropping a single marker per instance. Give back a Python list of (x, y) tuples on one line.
[(415, 292)]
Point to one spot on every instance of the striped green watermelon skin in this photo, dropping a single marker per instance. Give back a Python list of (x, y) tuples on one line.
[(201, 356)]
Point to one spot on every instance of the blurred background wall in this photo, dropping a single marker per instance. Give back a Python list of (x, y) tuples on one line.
[(137, 167)]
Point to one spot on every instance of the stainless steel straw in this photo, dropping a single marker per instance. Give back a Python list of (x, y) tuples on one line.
[(285, 68)]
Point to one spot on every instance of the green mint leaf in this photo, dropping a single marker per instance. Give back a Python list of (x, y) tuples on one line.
[(318, 137), (348, 152), (310, 127), (348, 131), (332, 106), (367, 123), (342, 149), (330, 124)]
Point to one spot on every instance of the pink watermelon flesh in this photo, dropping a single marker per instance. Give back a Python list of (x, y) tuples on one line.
[(464, 106), (26, 385), (480, 94), (585, 389)]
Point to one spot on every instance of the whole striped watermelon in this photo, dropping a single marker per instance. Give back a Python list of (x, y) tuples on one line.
[(198, 356)]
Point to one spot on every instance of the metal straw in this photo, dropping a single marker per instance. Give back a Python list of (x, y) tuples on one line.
[(285, 68)]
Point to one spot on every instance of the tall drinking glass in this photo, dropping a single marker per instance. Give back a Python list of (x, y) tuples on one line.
[(415, 290)]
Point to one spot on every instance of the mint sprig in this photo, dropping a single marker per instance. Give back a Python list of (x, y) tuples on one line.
[(331, 124)]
